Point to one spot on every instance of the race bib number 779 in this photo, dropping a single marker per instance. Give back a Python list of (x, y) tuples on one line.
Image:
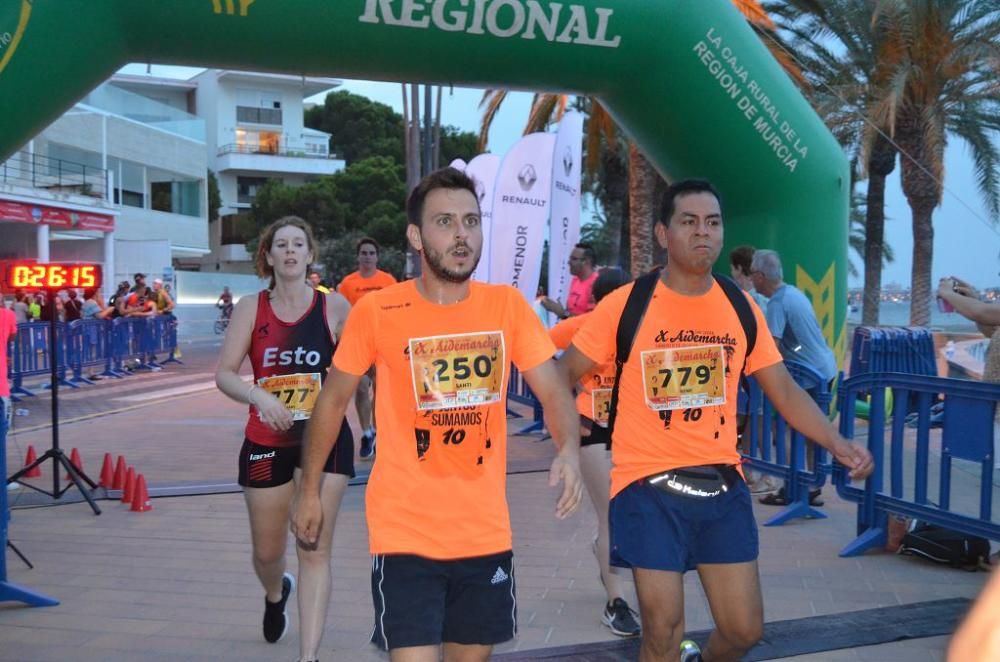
[(684, 377), (461, 370)]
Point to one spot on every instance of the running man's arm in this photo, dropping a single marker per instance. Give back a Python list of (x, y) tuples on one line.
[(320, 436), (573, 364), (801, 411), (563, 424)]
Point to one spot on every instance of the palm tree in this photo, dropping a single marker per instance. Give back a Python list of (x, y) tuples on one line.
[(643, 178), (848, 58), (945, 83)]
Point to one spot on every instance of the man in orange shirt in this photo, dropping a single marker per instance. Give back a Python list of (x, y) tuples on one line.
[(368, 278), (438, 523), (679, 501)]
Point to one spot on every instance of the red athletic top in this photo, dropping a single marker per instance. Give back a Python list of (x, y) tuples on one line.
[(302, 350)]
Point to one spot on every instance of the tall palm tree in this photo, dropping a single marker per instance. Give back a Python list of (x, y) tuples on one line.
[(946, 83), (601, 129), (848, 57)]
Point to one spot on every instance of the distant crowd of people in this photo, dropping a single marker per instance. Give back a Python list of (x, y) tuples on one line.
[(129, 300)]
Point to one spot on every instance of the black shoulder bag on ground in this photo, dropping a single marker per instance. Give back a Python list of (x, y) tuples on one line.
[(635, 310)]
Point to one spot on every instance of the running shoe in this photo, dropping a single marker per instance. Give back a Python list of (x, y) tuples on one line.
[(367, 446), (620, 618), (690, 652), (275, 614)]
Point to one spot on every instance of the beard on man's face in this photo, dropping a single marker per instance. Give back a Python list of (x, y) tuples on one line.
[(435, 262)]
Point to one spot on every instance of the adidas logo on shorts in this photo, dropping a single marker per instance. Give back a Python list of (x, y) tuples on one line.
[(499, 577)]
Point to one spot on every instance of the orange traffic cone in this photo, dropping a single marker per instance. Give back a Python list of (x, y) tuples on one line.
[(140, 500), (76, 461), (107, 473), (129, 488), (28, 460), (118, 481)]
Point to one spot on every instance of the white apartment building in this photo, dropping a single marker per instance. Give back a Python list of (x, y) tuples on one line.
[(255, 133), (122, 177), (119, 179)]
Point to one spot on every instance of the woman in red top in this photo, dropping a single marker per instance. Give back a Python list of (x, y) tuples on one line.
[(289, 332)]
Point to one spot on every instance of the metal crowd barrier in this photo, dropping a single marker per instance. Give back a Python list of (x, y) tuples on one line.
[(89, 344), (519, 392), (767, 451), (966, 434)]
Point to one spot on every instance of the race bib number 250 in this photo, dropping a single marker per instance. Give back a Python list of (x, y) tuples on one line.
[(684, 377), (460, 370)]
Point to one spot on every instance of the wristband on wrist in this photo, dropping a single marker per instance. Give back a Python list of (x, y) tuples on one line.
[(249, 394)]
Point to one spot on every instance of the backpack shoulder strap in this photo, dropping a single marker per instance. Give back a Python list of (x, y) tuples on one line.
[(739, 302), (628, 326)]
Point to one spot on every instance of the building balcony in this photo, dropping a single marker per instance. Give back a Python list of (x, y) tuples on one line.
[(305, 160), (54, 176), (251, 115)]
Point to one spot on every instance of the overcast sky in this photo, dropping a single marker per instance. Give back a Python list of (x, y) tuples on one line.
[(966, 244)]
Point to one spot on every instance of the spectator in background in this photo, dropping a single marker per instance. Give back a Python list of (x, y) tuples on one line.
[(92, 304), (164, 302), (792, 321), (740, 261), (35, 308), (140, 303), (20, 307), (582, 264), (968, 303), (116, 304), (72, 306), (317, 283), (50, 305)]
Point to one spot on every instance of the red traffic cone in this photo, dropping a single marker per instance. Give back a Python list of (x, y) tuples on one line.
[(129, 488), (118, 481), (107, 473), (140, 500), (76, 461), (28, 460)]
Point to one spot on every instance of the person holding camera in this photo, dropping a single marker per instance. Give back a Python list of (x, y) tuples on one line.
[(965, 300)]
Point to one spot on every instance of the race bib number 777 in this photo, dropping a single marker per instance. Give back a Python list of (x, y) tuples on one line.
[(461, 370)]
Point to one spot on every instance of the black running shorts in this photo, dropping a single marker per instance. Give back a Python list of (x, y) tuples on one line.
[(424, 602)]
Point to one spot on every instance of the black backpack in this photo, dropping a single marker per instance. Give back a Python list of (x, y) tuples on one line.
[(945, 546), (635, 310)]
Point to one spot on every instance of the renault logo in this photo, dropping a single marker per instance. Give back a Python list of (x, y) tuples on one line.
[(527, 177), (568, 160)]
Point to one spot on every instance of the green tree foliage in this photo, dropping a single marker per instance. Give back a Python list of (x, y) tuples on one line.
[(457, 144), (214, 197), (359, 127)]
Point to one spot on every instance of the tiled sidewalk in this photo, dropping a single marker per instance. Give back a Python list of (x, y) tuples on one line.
[(176, 583)]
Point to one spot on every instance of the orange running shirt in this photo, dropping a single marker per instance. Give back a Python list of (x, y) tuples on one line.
[(647, 440), (354, 286), (600, 379), (438, 486)]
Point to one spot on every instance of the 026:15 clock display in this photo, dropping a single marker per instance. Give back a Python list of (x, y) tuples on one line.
[(52, 276)]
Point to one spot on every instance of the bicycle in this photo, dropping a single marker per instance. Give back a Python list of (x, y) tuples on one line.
[(222, 323)]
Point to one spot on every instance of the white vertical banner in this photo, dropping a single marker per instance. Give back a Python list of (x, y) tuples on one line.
[(483, 170), (565, 229), (520, 211)]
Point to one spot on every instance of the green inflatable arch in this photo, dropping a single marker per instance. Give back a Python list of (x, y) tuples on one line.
[(688, 80)]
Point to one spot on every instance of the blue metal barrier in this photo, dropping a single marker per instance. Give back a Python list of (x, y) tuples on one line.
[(788, 462), (967, 434), (519, 392), (89, 344), (30, 356)]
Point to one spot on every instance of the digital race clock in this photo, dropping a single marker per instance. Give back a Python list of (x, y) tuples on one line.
[(51, 276)]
